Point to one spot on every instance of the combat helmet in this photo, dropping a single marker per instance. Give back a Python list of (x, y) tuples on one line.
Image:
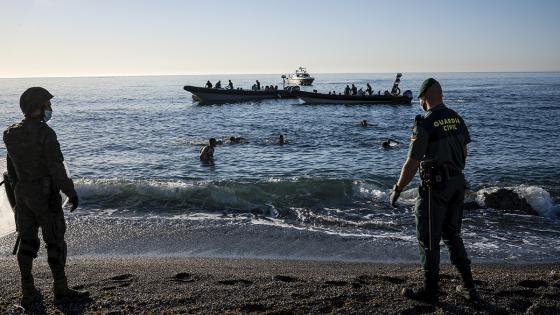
[(33, 98)]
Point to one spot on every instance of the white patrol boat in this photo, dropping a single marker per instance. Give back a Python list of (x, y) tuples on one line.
[(301, 77)]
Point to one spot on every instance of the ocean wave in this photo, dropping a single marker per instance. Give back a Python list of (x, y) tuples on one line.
[(272, 198), (261, 197)]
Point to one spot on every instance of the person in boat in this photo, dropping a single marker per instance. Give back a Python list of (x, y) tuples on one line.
[(361, 92), (208, 84), (334, 92), (218, 85), (230, 85), (254, 87), (354, 89), (207, 152), (388, 144), (276, 88), (258, 84), (364, 123), (281, 139), (369, 90), (329, 92), (347, 90)]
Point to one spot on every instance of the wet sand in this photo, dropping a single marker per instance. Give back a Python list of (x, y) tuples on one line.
[(195, 285)]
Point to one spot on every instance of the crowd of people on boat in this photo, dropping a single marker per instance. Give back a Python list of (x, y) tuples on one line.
[(355, 91), (256, 87)]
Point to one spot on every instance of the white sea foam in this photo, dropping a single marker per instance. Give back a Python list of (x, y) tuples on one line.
[(537, 197)]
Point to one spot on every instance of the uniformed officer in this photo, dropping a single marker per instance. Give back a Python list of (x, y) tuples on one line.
[(439, 148), (35, 167)]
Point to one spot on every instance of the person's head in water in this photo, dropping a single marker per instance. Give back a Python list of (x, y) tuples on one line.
[(386, 144), (212, 142), (364, 123), (430, 94), (281, 139)]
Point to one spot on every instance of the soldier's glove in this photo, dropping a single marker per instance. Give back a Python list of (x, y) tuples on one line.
[(74, 201), (395, 194)]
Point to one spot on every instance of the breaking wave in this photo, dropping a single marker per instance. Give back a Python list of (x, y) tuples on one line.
[(231, 196), (272, 198)]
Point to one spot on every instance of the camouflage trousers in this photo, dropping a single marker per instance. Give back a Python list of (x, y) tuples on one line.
[(439, 215), (38, 205)]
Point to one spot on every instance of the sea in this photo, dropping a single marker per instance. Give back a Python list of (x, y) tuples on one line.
[(132, 144)]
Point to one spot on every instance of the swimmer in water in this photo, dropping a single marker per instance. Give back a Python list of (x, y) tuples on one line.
[(236, 140), (388, 144), (207, 152), (364, 123), (281, 139)]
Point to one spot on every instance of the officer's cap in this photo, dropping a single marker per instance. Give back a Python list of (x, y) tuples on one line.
[(426, 85), (33, 98)]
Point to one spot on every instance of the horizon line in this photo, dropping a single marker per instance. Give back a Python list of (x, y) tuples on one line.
[(215, 74)]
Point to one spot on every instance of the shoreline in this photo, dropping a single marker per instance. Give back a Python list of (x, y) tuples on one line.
[(214, 285)]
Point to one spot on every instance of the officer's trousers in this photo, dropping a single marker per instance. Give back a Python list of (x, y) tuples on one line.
[(439, 215), (38, 205)]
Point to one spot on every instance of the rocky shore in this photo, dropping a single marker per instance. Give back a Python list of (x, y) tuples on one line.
[(133, 285)]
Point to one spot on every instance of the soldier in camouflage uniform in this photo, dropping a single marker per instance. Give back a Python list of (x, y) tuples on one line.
[(439, 148), (37, 173)]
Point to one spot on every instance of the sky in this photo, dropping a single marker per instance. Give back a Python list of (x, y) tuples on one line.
[(41, 38)]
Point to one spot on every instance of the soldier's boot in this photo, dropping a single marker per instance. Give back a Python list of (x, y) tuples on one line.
[(64, 294), (468, 289), (29, 293), (428, 292)]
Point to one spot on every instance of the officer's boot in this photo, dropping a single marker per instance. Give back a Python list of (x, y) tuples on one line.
[(468, 289), (63, 294), (29, 294), (429, 291)]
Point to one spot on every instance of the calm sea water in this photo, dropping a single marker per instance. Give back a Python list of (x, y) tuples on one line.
[(132, 146)]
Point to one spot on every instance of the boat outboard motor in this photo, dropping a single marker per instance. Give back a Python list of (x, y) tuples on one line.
[(395, 90)]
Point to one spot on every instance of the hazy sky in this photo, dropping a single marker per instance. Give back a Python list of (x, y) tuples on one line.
[(80, 37)]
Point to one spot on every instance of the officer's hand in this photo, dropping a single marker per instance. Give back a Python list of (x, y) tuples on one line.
[(74, 201), (395, 194)]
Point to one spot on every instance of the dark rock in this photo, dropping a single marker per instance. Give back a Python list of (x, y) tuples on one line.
[(505, 199)]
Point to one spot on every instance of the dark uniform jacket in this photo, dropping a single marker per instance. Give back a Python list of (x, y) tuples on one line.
[(34, 153), (440, 135)]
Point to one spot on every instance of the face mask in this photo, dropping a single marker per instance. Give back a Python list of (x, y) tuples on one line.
[(47, 115), (423, 105)]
